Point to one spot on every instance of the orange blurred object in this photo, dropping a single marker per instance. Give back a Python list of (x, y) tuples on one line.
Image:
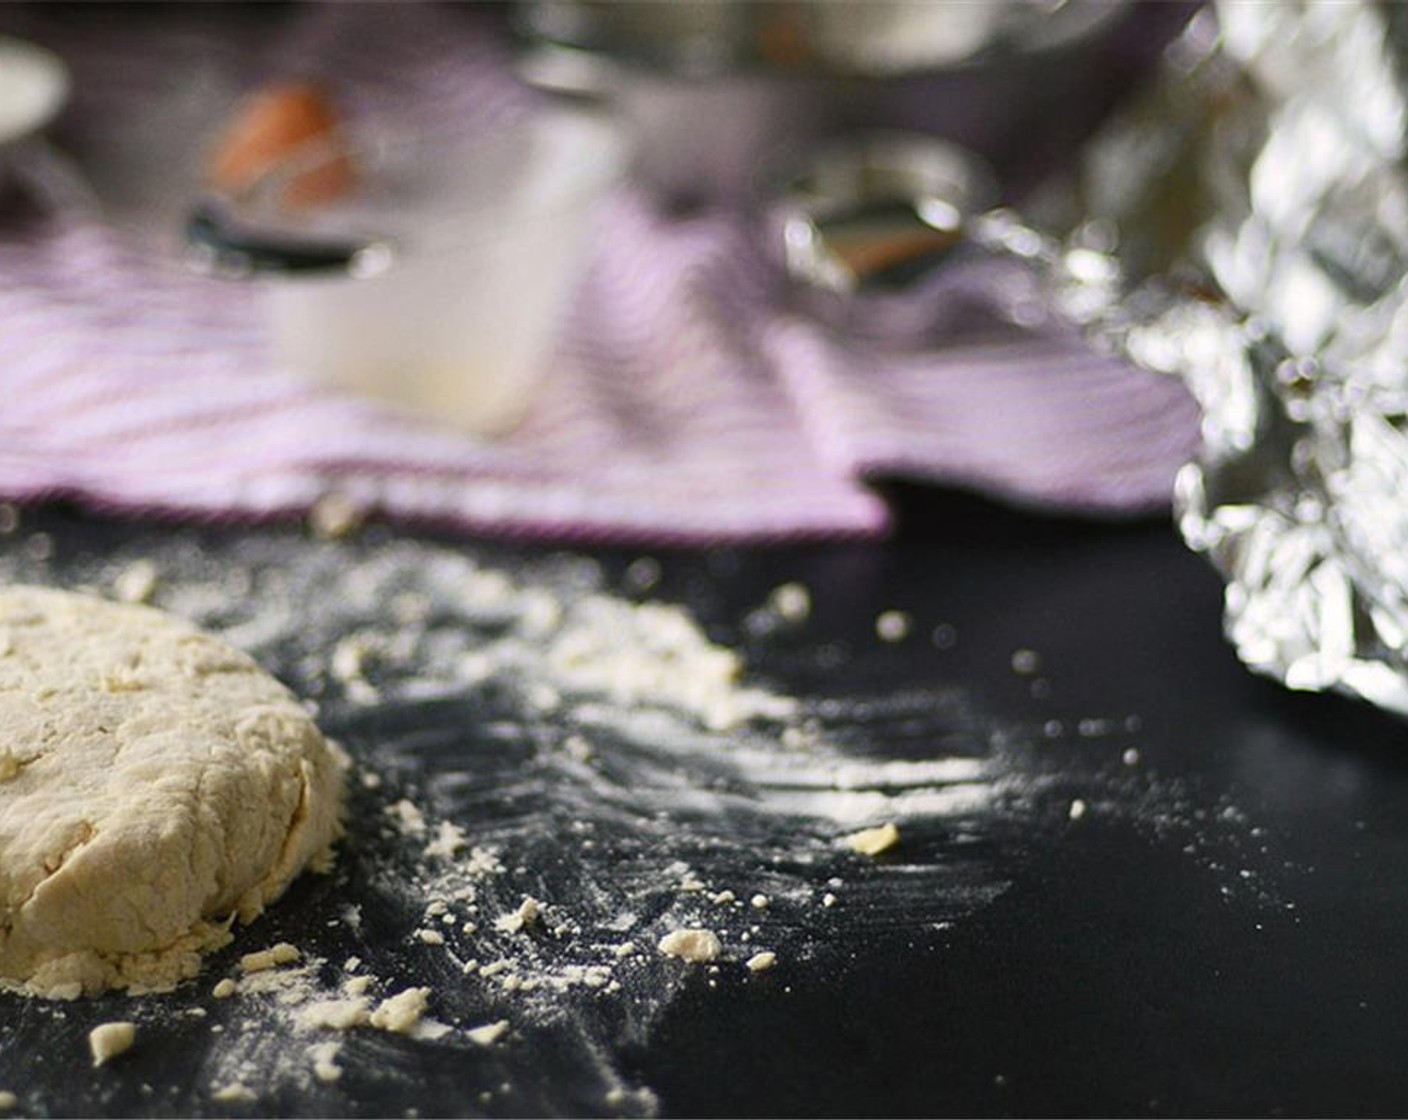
[(272, 125)]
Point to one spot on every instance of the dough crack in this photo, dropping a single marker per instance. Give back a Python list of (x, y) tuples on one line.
[(55, 863), (288, 849)]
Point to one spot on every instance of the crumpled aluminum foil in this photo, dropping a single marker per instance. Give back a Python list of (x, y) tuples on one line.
[(1245, 226)]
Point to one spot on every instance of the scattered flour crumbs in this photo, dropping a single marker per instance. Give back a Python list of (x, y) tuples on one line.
[(622, 815)]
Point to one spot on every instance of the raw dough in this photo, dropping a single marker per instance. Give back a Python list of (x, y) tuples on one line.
[(154, 784), (874, 841), (489, 1033), (691, 945), (336, 1014), (264, 959), (237, 1092), (107, 1040), (400, 1013), (324, 1055)]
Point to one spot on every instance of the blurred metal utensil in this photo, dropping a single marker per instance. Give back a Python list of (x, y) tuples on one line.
[(899, 239), (699, 37), (218, 243), (708, 90), (861, 222), (865, 213)]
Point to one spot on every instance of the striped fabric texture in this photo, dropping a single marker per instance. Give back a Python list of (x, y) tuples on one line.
[(688, 401)]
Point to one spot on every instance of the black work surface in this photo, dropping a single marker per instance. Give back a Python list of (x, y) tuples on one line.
[(1221, 932)]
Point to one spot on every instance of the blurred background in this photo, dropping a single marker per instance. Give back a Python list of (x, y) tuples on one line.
[(711, 255)]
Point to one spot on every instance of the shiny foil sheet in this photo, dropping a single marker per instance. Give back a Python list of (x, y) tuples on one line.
[(1245, 226)]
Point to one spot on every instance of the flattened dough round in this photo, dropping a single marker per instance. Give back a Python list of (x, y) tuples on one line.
[(154, 783)]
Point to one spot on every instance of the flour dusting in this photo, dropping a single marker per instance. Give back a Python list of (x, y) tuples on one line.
[(571, 805)]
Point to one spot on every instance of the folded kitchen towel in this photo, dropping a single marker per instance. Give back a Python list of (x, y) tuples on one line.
[(686, 402)]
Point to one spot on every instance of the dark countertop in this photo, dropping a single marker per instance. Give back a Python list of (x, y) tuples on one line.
[(1220, 933)]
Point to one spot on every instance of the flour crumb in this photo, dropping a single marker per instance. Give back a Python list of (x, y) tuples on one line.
[(335, 1014), (873, 841), (760, 902), (694, 945), (489, 1033), (136, 583), (1026, 662), (400, 1013), (828, 900), (791, 602), (428, 1030), (449, 840), (540, 613), (236, 1092), (893, 626), (430, 936), (349, 659), (357, 985), (1130, 757), (224, 989), (723, 898), (289, 987), (335, 516), (265, 959), (1077, 810), (625, 949), (409, 608), (324, 1056), (475, 667), (795, 738), (654, 655), (481, 862), (761, 962), (526, 916), (8, 1101), (409, 820), (108, 1040)]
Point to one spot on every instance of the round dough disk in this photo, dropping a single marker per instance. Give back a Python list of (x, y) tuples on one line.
[(154, 784)]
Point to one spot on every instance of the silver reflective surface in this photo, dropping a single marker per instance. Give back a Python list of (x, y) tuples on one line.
[(1253, 229)]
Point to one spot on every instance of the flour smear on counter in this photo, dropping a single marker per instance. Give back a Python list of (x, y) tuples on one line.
[(572, 804)]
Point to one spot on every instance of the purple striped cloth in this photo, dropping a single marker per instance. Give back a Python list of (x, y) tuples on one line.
[(685, 403)]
